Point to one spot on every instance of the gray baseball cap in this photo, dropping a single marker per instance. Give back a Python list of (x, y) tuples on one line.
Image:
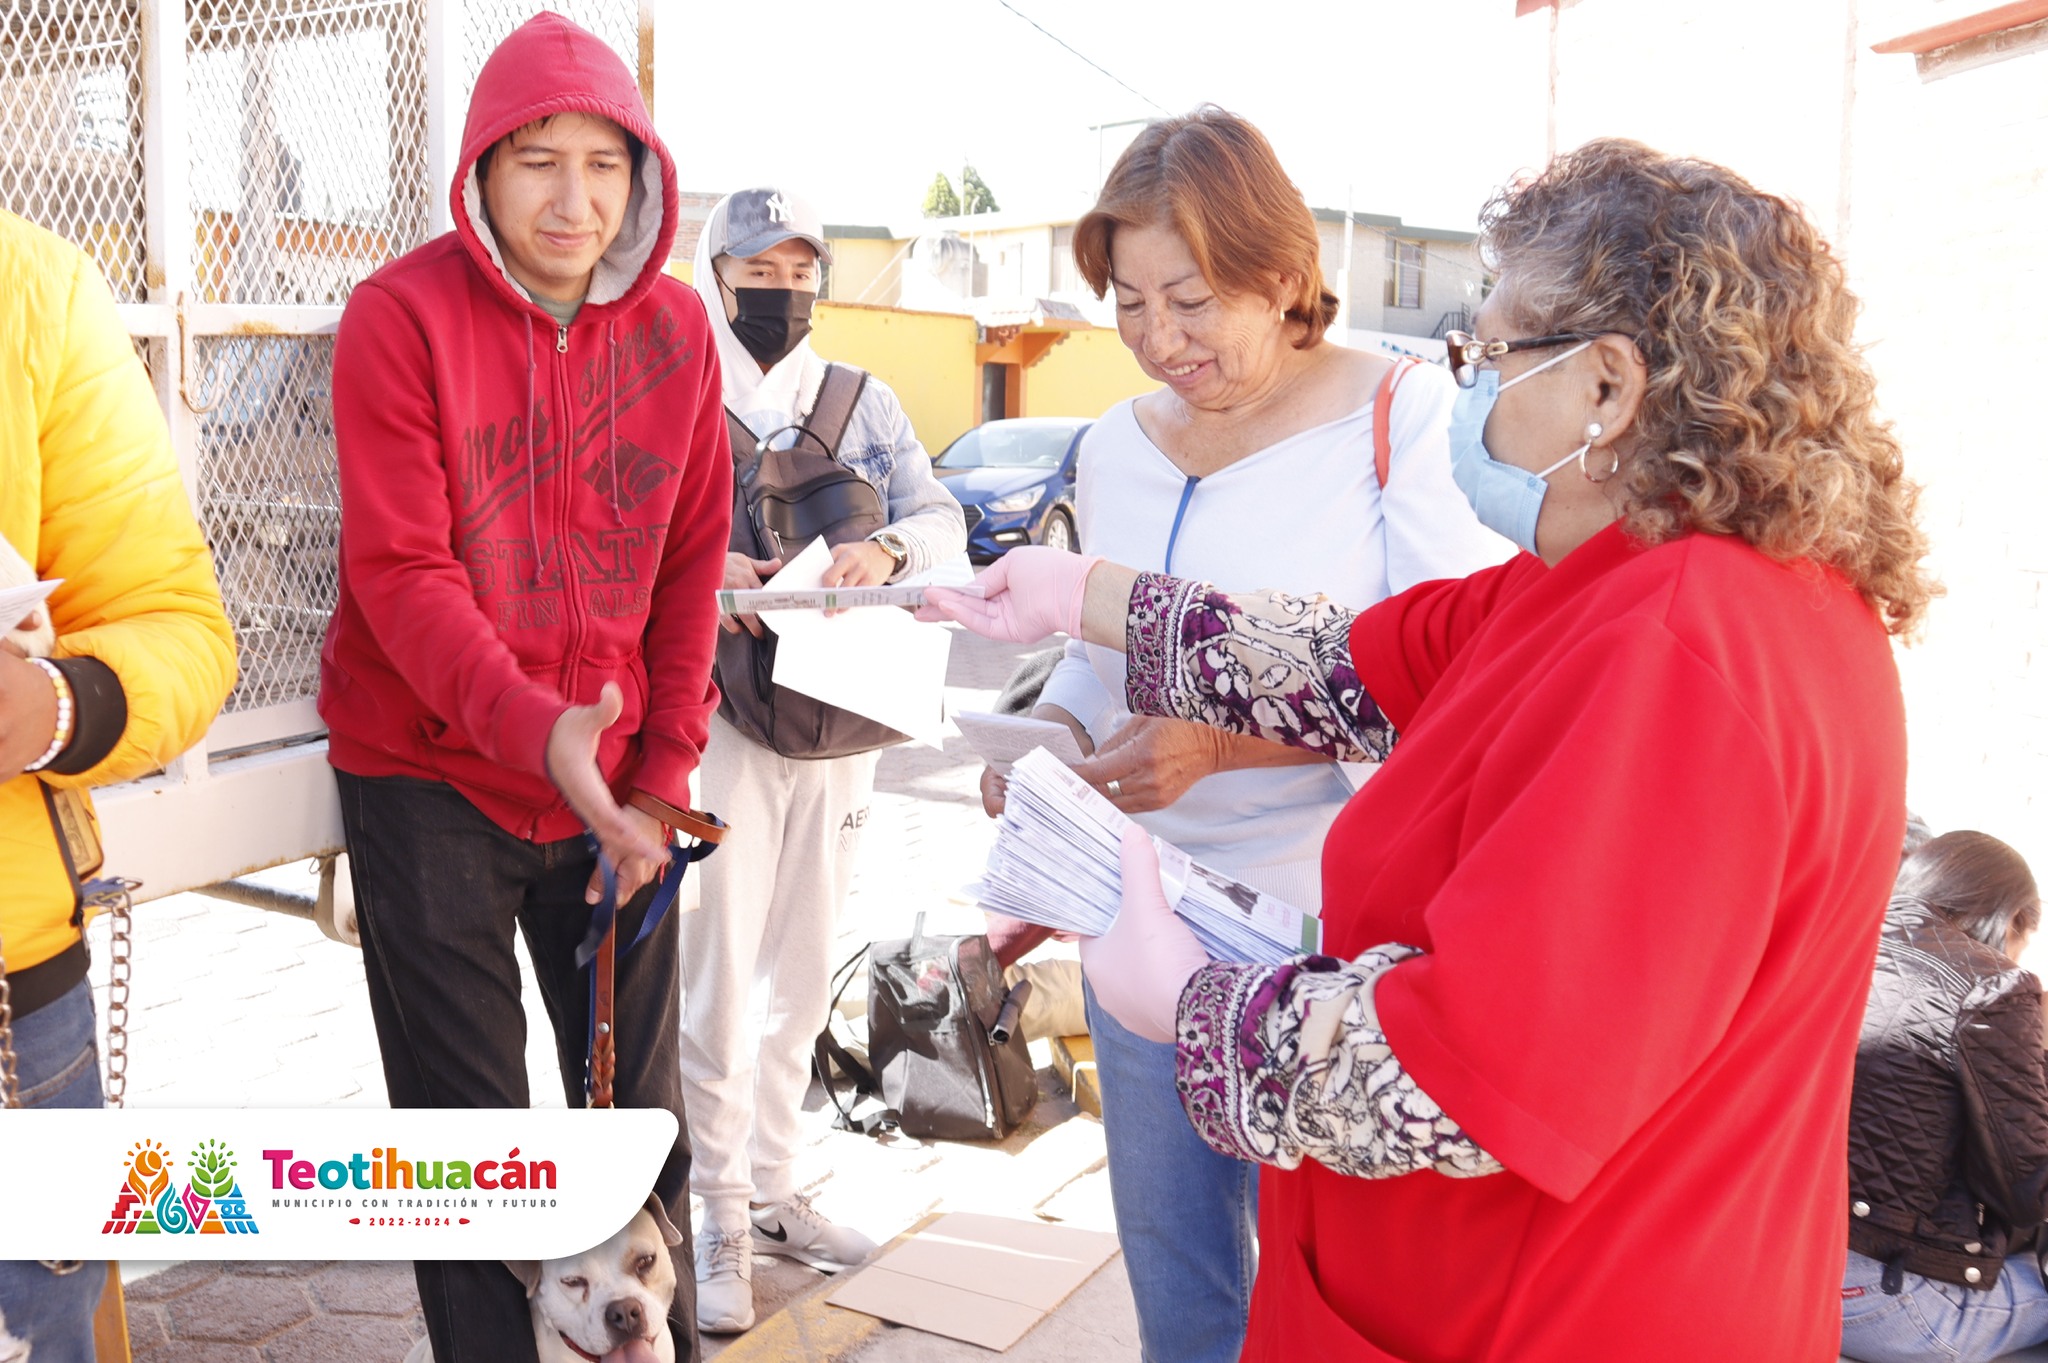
[(756, 219)]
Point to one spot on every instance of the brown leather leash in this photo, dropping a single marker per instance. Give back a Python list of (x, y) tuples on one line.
[(705, 831), (604, 1054)]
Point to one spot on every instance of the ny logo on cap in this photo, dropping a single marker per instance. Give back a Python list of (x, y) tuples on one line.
[(778, 209)]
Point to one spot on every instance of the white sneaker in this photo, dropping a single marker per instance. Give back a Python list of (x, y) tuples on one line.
[(793, 1229), (725, 1281)]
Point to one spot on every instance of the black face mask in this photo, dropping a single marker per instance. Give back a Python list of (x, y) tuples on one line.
[(771, 322)]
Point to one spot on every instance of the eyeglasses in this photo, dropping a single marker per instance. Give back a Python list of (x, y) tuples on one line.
[(1466, 352)]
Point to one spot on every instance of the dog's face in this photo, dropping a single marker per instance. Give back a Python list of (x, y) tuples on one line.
[(12, 1350), (610, 1303)]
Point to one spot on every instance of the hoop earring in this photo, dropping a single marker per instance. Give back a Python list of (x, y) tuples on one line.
[(1594, 430)]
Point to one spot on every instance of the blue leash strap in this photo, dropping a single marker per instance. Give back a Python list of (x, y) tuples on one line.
[(605, 912), (604, 917)]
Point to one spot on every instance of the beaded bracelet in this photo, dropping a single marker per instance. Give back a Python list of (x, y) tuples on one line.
[(62, 738)]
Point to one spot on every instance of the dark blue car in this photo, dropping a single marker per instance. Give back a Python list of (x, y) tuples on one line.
[(1014, 479)]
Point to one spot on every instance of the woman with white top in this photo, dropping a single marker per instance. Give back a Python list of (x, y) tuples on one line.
[(1254, 466)]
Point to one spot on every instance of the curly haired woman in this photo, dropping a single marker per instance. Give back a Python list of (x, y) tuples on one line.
[(1572, 1082)]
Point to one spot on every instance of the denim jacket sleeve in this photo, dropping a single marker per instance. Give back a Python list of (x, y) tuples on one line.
[(880, 445)]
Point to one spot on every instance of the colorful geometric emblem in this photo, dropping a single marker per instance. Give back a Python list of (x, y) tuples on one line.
[(210, 1203)]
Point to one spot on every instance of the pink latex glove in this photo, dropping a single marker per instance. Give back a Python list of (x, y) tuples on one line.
[(1031, 593), (1140, 966)]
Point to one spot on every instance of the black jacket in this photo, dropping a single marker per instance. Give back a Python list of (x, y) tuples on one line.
[(1948, 1124)]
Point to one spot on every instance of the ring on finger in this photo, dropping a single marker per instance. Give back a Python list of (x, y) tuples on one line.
[(1115, 788)]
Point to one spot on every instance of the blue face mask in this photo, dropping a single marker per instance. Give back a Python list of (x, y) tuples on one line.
[(1507, 500)]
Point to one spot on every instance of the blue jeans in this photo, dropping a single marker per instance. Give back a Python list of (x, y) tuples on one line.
[(1930, 1321), (58, 1063), (1187, 1216)]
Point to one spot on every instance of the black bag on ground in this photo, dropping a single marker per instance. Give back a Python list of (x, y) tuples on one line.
[(782, 500), (933, 1003)]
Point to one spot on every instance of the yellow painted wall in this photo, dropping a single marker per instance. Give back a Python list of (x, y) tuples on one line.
[(857, 262), (1084, 375), (927, 357)]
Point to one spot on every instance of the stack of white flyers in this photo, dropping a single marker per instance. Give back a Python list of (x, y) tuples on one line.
[(1057, 862)]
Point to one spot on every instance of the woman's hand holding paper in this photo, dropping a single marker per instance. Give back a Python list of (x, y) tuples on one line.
[(1030, 594), (1139, 967), (1149, 763)]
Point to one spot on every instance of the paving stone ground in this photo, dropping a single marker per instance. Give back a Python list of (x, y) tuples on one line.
[(274, 1312), (237, 1007)]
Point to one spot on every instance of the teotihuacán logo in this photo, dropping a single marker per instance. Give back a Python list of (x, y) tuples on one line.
[(151, 1203), (317, 1183)]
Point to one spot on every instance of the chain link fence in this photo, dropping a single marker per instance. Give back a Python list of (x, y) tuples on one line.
[(487, 22), (270, 500), (309, 145), (71, 104), (307, 171)]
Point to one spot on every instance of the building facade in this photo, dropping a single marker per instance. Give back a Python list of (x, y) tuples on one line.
[(1393, 277), (1915, 132)]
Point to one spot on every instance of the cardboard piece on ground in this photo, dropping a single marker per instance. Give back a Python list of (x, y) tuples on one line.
[(1020, 1261), (938, 1309), (983, 1279)]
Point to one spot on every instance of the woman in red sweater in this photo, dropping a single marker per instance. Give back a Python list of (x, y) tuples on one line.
[(1577, 1063)]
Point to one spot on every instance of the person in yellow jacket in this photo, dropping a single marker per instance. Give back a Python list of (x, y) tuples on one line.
[(143, 658)]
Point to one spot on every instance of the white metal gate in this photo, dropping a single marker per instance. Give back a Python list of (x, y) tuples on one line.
[(235, 167)]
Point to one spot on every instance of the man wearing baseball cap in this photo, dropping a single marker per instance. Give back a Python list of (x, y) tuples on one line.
[(771, 896)]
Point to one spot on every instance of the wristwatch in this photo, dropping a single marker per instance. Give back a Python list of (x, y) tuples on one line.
[(896, 547)]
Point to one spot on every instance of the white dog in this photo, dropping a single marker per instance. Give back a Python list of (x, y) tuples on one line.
[(12, 1350), (34, 635), (609, 1304)]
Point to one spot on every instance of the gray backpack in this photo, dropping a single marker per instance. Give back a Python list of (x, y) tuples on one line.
[(782, 500)]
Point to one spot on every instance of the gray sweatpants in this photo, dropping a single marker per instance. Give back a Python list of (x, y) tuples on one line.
[(756, 959)]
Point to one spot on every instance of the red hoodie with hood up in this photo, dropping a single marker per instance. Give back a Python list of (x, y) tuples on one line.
[(528, 511)]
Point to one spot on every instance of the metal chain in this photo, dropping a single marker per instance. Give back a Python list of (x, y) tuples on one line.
[(10, 1086), (116, 896)]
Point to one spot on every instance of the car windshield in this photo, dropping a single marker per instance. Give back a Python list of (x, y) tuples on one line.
[(1008, 445)]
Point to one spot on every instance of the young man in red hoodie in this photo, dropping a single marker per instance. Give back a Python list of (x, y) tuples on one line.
[(536, 491)]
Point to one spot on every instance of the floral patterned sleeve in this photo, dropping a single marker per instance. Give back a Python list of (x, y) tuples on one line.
[(1284, 1063), (1272, 666)]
